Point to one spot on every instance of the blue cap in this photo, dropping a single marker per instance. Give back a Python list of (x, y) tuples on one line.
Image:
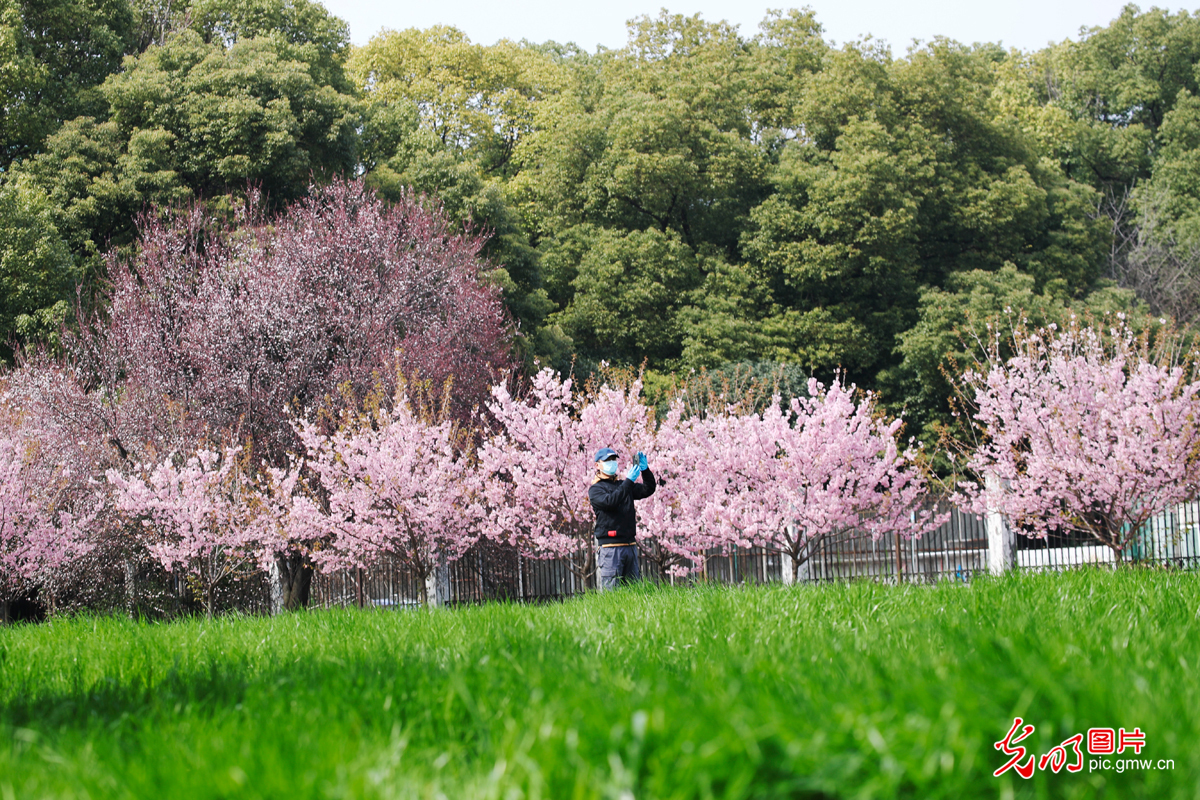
[(604, 453)]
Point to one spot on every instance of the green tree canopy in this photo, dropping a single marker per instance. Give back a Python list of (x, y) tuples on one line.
[(203, 117), (905, 176), (37, 273), (53, 56)]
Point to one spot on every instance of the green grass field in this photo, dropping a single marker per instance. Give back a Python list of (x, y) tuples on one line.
[(853, 690)]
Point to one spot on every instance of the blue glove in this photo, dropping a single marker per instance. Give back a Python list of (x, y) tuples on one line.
[(634, 472), (642, 461)]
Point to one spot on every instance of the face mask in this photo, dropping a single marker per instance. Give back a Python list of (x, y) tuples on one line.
[(609, 467)]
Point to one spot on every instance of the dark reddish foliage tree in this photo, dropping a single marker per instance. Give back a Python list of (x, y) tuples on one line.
[(235, 320)]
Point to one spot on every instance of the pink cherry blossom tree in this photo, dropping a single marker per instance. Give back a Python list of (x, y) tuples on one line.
[(694, 450), (27, 533), (72, 432), (827, 465), (398, 482), (1083, 430), (20, 519), (46, 509), (676, 528), (537, 466), (192, 514)]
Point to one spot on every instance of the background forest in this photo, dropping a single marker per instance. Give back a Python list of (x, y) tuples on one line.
[(702, 197)]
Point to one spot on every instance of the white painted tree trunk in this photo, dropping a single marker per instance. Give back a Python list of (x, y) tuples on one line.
[(276, 584), (1002, 545), (130, 588), (431, 588), (437, 585), (789, 566)]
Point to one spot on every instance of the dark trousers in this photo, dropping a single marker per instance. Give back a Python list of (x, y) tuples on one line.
[(618, 565)]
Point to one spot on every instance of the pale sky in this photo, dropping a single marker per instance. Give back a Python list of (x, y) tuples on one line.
[(1025, 24)]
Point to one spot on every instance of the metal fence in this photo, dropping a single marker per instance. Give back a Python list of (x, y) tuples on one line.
[(743, 565), (488, 571), (1171, 539), (383, 585), (955, 551), (493, 571)]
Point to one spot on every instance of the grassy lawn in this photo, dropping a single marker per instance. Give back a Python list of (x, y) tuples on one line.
[(853, 690)]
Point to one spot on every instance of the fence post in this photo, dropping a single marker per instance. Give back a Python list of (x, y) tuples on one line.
[(899, 561), (520, 577), (1002, 549)]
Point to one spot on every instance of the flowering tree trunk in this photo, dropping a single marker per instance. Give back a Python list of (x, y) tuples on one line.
[(295, 576)]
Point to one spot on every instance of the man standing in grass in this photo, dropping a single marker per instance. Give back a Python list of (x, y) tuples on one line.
[(616, 520)]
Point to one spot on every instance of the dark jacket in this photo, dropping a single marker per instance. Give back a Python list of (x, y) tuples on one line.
[(612, 500)]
